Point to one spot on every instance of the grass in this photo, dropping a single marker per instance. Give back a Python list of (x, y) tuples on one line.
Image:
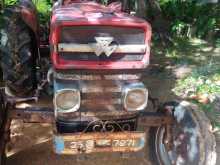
[(202, 80), (191, 51), (201, 57), (205, 59)]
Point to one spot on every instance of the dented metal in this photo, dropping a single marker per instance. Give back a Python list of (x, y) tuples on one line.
[(33, 114)]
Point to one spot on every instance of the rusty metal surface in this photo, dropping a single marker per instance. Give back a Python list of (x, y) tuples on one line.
[(67, 76), (63, 143), (15, 99), (111, 125), (99, 98), (33, 115), (92, 109), (152, 119), (95, 115), (46, 115)]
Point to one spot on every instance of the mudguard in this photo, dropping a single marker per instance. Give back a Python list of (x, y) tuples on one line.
[(29, 15)]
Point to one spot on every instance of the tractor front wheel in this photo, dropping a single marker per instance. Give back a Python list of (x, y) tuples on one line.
[(192, 140)]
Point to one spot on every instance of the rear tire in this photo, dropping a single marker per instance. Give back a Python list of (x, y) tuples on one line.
[(193, 141), (17, 55)]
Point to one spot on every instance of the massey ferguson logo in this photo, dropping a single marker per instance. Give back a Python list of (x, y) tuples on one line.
[(104, 45)]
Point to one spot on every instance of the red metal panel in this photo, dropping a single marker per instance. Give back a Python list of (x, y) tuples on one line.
[(86, 14), (29, 15), (30, 18)]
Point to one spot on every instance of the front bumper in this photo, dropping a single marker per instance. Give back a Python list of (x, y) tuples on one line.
[(87, 141)]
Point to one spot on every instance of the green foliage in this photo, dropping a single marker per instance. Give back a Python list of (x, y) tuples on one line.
[(180, 28), (203, 62), (10, 2), (104, 1), (202, 80), (191, 18), (44, 10)]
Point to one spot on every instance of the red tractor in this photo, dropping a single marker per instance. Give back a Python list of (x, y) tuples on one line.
[(86, 80)]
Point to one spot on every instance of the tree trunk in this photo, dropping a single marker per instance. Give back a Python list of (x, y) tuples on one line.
[(159, 23), (2, 5), (141, 8)]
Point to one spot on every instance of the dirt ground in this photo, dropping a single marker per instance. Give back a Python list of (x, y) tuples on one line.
[(31, 143)]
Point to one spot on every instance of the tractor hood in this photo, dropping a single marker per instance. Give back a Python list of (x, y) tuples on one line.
[(92, 13), (82, 23)]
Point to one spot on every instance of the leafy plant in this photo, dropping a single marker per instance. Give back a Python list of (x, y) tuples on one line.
[(191, 18), (10, 2), (44, 10), (203, 80)]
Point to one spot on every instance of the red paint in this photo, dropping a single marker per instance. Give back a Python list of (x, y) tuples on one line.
[(86, 14), (29, 16), (30, 19)]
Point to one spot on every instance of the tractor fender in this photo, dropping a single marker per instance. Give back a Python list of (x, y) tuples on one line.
[(29, 15)]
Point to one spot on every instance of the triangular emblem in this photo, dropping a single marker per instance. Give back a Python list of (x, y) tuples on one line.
[(103, 45)]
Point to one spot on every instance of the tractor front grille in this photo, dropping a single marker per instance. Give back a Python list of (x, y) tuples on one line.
[(93, 57), (87, 35)]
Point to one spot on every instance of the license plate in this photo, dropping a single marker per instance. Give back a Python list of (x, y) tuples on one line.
[(99, 142)]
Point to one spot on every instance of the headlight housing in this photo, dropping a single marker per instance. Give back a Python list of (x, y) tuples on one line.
[(135, 97), (67, 100)]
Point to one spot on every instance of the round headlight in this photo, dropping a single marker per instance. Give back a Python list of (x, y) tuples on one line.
[(135, 99), (67, 100)]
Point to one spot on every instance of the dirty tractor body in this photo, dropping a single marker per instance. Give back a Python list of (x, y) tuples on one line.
[(85, 78)]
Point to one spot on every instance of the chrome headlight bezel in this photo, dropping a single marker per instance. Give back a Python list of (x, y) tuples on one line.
[(74, 108), (135, 87)]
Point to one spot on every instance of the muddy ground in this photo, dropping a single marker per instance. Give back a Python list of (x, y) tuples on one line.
[(31, 143)]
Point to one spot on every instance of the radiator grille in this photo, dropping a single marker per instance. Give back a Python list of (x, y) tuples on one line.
[(93, 57), (87, 34)]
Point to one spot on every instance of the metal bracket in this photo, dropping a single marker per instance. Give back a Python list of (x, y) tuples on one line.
[(33, 114), (154, 119)]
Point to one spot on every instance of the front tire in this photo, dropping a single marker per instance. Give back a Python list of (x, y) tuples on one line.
[(193, 142)]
